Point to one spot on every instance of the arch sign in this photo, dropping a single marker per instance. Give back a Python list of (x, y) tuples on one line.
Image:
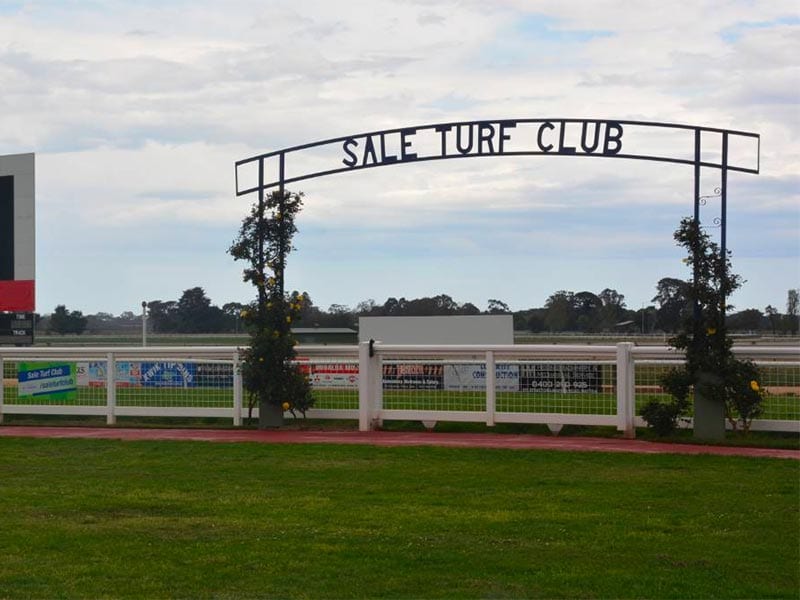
[(700, 147), (723, 149)]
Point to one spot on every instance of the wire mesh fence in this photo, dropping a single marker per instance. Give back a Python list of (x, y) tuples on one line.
[(334, 382), (520, 386), (781, 384), (421, 383), (563, 387), (527, 381), (779, 380), (49, 383)]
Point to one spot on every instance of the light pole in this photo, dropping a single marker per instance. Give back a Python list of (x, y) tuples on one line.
[(144, 323), (643, 318)]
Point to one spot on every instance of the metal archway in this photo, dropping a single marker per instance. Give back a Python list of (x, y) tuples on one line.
[(698, 146)]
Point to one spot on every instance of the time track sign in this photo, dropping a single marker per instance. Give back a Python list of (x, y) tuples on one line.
[(16, 329)]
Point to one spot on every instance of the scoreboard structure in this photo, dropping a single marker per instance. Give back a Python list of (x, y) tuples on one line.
[(17, 248)]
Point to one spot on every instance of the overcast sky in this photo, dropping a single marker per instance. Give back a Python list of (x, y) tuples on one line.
[(137, 112)]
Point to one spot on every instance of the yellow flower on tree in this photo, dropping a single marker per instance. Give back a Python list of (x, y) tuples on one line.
[(754, 386), (288, 319), (711, 330), (286, 406)]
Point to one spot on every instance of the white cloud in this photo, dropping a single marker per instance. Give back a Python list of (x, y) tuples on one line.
[(138, 110)]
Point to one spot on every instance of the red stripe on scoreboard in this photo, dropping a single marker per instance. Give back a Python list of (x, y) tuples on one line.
[(17, 296)]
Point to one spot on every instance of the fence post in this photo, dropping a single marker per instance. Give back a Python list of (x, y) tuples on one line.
[(376, 372), (111, 389), (626, 390), (491, 389), (237, 390), (364, 387), (2, 387)]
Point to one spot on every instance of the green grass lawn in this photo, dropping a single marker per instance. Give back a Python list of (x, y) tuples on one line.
[(98, 518)]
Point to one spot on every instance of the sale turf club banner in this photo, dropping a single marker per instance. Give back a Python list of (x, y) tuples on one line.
[(49, 381)]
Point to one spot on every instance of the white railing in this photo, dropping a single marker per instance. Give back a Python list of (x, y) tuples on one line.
[(554, 385)]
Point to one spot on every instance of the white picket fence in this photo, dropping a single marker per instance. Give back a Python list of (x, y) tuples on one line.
[(379, 382)]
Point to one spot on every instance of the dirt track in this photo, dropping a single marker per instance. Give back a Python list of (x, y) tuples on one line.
[(391, 438)]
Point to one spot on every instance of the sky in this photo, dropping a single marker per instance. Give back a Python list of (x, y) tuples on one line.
[(137, 112)]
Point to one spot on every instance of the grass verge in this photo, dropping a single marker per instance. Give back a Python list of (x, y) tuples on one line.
[(98, 518)]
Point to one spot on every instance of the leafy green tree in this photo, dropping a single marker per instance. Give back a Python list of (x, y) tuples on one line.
[(613, 309), (792, 310), (774, 317), (269, 371), (63, 321), (233, 315), (673, 303), (468, 308), (711, 374), (163, 316), (195, 313), (746, 320), (497, 307), (339, 315), (560, 311), (587, 308)]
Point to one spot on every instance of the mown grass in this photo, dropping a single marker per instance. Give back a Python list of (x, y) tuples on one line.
[(95, 518)]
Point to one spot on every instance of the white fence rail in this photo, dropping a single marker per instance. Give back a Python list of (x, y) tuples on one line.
[(554, 385)]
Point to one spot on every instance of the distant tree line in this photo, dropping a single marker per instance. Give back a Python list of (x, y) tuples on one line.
[(563, 311)]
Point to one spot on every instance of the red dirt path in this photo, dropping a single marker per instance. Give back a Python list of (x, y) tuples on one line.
[(394, 438)]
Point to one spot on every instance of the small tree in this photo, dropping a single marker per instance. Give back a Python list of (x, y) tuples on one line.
[(774, 317), (64, 321), (793, 310), (711, 370), (269, 372)]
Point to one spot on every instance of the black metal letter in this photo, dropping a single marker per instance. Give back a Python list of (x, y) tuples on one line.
[(351, 159), (369, 150), (485, 134), (459, 147), (504, 137), (443, 129), (386, 158), (562, 149), (404, 143), (596, 142), (542, 147), (616, 138)]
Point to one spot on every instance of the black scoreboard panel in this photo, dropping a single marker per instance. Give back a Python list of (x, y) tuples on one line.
[(16, 328), (6, 227)]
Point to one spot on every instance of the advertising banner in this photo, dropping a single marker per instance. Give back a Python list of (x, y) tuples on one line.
[(52, 381), (169, 374), (212, 375), (561, 378), (334, 375), (472, 377), (414, 376), (93, 374)]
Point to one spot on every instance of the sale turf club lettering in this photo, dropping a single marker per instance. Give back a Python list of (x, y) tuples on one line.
[(485, 138)]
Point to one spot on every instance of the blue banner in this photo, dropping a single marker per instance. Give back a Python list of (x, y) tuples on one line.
[(169, 374)]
